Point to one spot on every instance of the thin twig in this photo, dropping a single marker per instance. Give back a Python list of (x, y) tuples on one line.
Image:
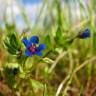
[(71, 62), (84, 64), (61, 85), (57, 60), (68, 77), (71, 70)]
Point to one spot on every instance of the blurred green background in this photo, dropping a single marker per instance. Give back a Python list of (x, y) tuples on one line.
[(66, 69)]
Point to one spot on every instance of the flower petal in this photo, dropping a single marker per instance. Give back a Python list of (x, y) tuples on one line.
[(34, 40), (28, 53), (39, 53), (26, 42), (87, 31), (41, 47), (85, 34)]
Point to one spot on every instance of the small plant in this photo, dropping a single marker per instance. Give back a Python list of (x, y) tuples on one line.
[(15, 46)]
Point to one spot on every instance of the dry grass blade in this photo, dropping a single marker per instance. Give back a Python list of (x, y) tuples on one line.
[(74, 72), (56, 61)]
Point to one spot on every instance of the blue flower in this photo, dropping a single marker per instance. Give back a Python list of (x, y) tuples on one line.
[(85, 34), (31, 46)]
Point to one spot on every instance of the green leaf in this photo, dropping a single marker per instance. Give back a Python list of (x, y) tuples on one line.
[(59, 37), (48, 42), (45, 90), (59, 49), (14, 41), (36, 84), (94, 41), (10, 49), (58, 33), (11, 65), (10, 77), (47, 60)]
